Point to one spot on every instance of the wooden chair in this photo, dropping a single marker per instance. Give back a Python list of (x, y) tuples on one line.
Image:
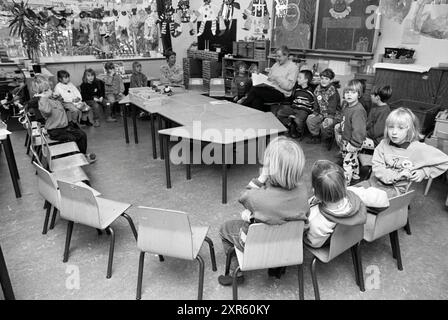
[(389, 222), (343, 238), (167, 232), (270, 246), (81, 205), (49, 189)]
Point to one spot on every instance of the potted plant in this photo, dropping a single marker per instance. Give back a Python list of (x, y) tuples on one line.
[(27, 25)]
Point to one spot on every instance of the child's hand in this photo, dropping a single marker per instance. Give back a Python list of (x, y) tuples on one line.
[(77, 99), (417, 175), (235, 99), (351, 148), (264, 175)]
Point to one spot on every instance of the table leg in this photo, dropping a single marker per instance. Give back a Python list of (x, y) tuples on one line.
[(13, 157), (189, 143), (4, 279), (166, 148), (9, 153), (153, 137), (160, 127), (224, 175), (134, 122), (124, 110)]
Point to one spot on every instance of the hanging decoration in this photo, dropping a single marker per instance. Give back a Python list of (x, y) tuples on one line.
[(281, 8), (225, 14), (187, 15), (169, 21), (257, 14), (208, 14), (340, 9)]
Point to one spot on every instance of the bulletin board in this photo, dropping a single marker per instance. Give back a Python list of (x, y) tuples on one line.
[(293, 24), (347, 25)]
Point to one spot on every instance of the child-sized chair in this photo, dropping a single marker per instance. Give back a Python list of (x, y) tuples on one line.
[(389, 222), (270, 246), (167, 232), (80, 204), (343, 238)]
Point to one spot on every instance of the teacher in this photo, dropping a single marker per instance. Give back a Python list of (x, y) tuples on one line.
[(171, 73), (282, 78)]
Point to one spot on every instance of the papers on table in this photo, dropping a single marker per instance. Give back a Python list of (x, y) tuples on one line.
[(259, 78), (219, 102)]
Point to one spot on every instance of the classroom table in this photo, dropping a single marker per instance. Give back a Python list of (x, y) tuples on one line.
[(187, 108), (263, 124), (4, 279), (12, 165)]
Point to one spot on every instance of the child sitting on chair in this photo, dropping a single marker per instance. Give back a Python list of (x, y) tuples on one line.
[(325, 115), (92, 92), (138, 78), (303, 103), (278, 195), (351, 132), (114, 89), (72, 100), (376, 120), (241, 84), (56, 121), (401, 159), (334, 203)]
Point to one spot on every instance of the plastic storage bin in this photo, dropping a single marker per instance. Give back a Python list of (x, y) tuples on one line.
[(425, 112)]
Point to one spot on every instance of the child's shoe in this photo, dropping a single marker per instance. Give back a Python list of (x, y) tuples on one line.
[(111, 119), (96, 123), (88, 123), (91, 157)]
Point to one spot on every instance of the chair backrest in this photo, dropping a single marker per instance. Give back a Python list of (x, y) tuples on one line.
[(47, 186), (45, 148), (343, 238), (165, 232), (78, 204), (270, 246), (393, 218)]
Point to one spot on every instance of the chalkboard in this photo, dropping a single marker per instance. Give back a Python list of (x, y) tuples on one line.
[(346, 25), (294, 26)]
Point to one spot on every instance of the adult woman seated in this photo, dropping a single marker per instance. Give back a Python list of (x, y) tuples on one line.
[(171, 74), (282, 78)]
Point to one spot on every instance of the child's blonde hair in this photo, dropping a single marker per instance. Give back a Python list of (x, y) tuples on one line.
[(40, 84), (328, 181), (285, 160), (404, 117), (354, 85)]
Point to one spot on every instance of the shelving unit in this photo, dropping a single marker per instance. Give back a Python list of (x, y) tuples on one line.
[(228, 69)]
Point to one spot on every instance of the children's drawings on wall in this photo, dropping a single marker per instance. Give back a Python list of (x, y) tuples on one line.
[(431, 19), (295, 26), (257, 17), (395, 10)]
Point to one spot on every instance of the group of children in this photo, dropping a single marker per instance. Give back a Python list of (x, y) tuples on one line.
[(279, 194)]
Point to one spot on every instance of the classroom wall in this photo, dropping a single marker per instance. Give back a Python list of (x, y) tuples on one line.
[(429, 51)]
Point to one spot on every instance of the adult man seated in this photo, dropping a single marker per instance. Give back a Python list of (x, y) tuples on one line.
[(281, 80)]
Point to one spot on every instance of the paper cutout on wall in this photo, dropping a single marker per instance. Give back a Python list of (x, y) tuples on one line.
[(395, 10), (257, 16), (225, 15), (296, 27)]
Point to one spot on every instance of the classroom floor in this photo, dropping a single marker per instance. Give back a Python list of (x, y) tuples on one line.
[(127, 172)]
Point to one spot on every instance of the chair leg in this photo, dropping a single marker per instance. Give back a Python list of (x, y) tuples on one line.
[(47, 217), (131, 223), (212, 253), (46, 203), (392, 244), (407, 227), (235, 283), (355, 263), (300, 274), (201, 277), (360, 269), (314, 278), (229, 255), (397, 250), (428, 186), (111, 252), (161, 258), (67, 240), (99, 232), (26, 139), (141, 263), (53, 218)]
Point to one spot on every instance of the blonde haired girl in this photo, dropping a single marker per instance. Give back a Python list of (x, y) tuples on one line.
[(278, 195)]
